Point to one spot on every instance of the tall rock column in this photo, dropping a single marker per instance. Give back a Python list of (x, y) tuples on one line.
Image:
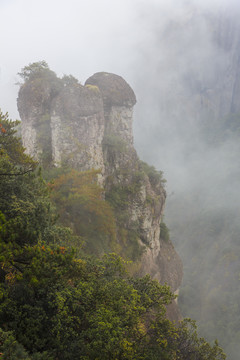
[(118, 102), (77, 124), (139, 184), (34, 103), (62, 121)]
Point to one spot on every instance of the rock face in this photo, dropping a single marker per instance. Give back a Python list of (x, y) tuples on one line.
[(76, 118), (91, 127)]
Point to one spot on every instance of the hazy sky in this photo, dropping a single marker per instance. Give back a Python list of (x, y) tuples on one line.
[(78, 37)]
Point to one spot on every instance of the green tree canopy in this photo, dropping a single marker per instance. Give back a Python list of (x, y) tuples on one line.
[(55, 305), (13, 159), (35, 70)]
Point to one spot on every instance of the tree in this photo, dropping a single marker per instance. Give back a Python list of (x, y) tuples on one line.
[(89, 309), (34, 70), (26, 214), (80, 204), (10, 349), (56, 305), (191, 347), (13, 159)]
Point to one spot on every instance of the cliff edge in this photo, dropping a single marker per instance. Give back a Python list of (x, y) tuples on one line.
[(90, 127)]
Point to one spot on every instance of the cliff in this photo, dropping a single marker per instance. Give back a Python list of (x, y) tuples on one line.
[(90, 126)]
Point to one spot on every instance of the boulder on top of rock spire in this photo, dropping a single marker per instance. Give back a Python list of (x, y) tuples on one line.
[(115, 90)]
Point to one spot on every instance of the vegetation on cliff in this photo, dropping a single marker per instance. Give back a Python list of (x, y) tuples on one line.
[(132, 190), (56, 304), (81, 206)]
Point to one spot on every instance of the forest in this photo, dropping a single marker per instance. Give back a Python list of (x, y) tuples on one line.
[(58, 301)]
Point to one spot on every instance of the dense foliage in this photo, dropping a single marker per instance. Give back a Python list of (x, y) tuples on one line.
[(80, 204), (55, 305), (13, 160)]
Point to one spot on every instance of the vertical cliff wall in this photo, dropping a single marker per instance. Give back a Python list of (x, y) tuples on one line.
[(88, 127)]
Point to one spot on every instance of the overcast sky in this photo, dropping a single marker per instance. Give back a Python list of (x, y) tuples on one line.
[(78, 37)]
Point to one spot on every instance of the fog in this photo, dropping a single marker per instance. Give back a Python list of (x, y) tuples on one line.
[(171, 55), (83, 37)]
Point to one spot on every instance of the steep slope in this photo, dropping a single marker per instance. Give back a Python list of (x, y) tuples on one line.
[(86, 127)]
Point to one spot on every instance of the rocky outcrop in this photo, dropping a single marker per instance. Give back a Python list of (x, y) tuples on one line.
[(91, 127), (77, 126)]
